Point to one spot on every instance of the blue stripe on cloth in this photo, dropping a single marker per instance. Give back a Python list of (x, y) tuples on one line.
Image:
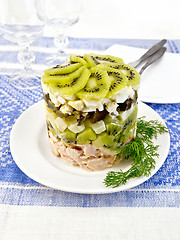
[(13, 102), (11, 57), (94, 44), (49, 197), (99, 43)]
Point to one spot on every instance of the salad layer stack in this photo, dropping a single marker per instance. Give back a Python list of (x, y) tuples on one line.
[(91, 109)]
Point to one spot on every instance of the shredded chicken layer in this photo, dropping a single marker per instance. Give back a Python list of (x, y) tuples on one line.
[(86, 156)]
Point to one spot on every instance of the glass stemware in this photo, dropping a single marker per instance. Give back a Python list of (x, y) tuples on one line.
[(59, 14), (19, 23)]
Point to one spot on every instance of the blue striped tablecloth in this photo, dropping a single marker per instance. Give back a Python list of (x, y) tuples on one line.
[(18, 190)]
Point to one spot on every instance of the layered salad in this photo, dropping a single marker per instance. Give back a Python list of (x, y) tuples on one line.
[(91, 109)]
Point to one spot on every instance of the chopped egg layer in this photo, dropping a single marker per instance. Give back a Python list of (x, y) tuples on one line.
[(68, 104)]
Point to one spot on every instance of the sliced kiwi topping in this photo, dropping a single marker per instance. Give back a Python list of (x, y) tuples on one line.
[(63, 69), (118, 81), (95, 59), (63, 79), (91, 61), (108, 75), (77, 59), (132, 75), (97, 85), (73, 86)]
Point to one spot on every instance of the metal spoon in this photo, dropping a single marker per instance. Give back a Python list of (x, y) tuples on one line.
[(153, 58), (149, 53)]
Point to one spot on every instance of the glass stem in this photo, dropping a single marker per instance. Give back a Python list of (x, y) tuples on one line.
[(25, 56), (61, 41)]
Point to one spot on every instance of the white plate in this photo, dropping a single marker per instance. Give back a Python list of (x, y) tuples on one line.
[(159, 82), (31, 152)]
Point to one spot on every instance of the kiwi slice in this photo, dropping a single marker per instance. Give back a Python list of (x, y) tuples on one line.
[(97, 85), (105, 141), (126, 126), (62, 79), (95, 59), (77, 59), (86, 136), (131, 73), (62, 69), (91, 61), (69, 136), (51, 129), (73, 86), (113, 129), (118, 81)]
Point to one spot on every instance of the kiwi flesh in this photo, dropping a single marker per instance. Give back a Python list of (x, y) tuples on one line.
[(95, 59), (118, 81), (91, 61), (63, 79), (103, 140), (69, 136), (113, 129), (86, 136), (128, 124), (63, 69), (97, 85), (73, 86), (131, 73), (74, 58)]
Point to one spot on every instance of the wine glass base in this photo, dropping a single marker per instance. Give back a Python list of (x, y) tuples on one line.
[(26, 79), (57, 59)]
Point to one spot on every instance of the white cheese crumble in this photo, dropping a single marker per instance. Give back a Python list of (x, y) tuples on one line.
[(76, 129), (66, 109), (92, 105), (112, 108), (45, 88), (99, 127), (71, 97), (124, 94), (60, 123), (77, 104)]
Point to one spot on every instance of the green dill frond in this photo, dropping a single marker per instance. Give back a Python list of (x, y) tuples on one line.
[(141, 150), (149, 129)]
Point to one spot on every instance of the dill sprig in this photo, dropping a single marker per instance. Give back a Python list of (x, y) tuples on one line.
[(141, 150)]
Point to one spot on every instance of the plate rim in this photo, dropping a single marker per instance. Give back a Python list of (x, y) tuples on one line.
[(80, 190)]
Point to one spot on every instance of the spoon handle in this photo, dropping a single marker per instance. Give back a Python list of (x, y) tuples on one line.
[(149, 53), (153, 58)]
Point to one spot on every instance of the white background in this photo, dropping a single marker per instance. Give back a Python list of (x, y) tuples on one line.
[(151, 19), (154, 19)]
